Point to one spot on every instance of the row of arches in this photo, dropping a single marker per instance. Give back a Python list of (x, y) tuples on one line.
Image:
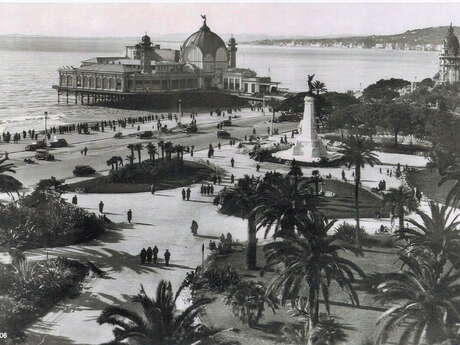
[(90, 82)]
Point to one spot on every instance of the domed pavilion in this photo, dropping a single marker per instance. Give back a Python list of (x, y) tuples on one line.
[(449, 59), (208, 53)]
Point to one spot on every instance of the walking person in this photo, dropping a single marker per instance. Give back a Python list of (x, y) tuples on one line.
[(257, 167), (85, 150), (130, 216), (194, 227), (167, 257), (232, 179), (188, 192), (152, 189), (155, 254), (232, 162), (183, 194), (219, 179), (149, 254), (74, 200), (101, 207), (143, 256)]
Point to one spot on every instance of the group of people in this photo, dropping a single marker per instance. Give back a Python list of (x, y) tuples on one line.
[(186, 194), (207, 189), (150, 255)]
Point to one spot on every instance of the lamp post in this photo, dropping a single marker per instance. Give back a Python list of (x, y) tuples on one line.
[(180, 110), (46, 119)]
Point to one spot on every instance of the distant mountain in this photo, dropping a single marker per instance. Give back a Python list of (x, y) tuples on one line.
[(427, 38)]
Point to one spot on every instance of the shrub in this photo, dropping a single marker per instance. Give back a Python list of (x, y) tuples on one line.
[(44, 218), (215, 279), (248, 299), (347, 232), (83, 170)]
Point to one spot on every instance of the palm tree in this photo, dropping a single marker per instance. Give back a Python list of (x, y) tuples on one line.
[(437, 232), (159, 322), (295, 170), (452, 173), (319, 87), (168, 149), (283, 204), (402, 201), (357, 151), (131, 147), (8, 184), (242, 199), (161, 144), (426, 302), (139, 147), (310, 262), (152, 151)]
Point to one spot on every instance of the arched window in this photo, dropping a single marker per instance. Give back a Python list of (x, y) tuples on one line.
[(78, 81), (118, 84), (85, 81), (111, 84), (105, 83), (91, 82), (69, 80), (98, 83)]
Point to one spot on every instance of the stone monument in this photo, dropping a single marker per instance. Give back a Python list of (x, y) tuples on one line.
[(309, 147)]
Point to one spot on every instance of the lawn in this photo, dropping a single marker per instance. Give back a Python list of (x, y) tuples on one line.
[(342, 205), (427, 181), (361, 319), (189, 173)]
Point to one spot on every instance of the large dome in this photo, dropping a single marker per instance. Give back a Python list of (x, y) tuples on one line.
[(451, 43), (206, 40)]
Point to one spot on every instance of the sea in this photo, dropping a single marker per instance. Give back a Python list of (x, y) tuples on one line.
[(28, 69)]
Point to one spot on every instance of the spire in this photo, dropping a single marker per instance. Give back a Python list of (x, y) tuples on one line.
[(451, 29)]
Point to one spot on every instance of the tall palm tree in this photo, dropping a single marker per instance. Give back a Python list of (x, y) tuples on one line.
[(437, 232), (168, 149), (402, 202), (357, 151), (152, 151), (319, 87), (159, 322), (426, 301), (139, 147), (310, 262), (132, 148), (161, 144), (242, 199), (283, 204)]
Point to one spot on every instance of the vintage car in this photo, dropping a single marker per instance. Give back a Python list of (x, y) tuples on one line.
[(223, 134), (145, 135), (39, 144), (43, 155), (58, 143)]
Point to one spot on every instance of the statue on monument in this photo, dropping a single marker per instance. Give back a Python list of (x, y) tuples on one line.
[(203, 16), (310, 83)]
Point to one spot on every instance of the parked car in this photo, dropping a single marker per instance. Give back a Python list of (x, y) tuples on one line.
[(145, 135), (58, 143), (39, 144), (43, 155), (227, 122), (223, 134)]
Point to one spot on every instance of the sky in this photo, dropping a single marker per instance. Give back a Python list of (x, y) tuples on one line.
[(290, 19)]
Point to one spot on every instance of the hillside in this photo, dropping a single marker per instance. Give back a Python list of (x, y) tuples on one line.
[(421, 39)]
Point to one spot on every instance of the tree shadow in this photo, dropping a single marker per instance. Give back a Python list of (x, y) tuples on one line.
[(209, 237), (171, 267), (202, 201), (104, 258)]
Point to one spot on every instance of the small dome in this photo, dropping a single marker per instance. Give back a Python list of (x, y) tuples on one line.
[(451, 42), (206, 40)]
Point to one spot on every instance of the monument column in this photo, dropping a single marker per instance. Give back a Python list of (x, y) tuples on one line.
[(308, 145)]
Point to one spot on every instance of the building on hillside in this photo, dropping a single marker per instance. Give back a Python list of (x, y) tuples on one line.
[(449, 59), (204, 62)]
